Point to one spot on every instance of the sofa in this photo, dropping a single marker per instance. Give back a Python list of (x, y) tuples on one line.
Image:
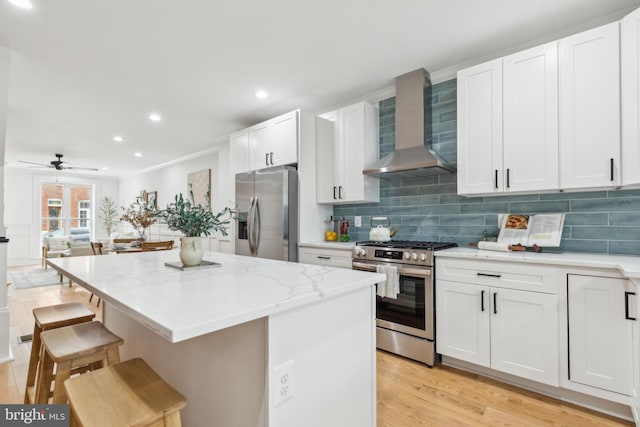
[(57, 246)]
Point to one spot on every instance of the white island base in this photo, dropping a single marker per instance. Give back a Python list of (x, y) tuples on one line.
[(231, 377)]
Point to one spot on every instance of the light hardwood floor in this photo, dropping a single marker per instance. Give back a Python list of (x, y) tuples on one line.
[(409, 394)]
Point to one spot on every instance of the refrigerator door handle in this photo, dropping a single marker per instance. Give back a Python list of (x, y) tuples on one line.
[(250, 226), (256, 226)]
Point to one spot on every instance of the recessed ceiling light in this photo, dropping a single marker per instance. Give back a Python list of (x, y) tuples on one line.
[(104, 168), (137, 154), (118, 138), (261, 94), (154, 117), (23, 4)]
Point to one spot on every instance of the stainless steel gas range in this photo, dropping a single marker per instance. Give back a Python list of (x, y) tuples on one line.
[(405, 324)]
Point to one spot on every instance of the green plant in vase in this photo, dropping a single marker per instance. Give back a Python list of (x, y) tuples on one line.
[(194, 221)]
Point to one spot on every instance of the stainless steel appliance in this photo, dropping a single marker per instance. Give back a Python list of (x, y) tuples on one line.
[(405, 325), (267, 218)]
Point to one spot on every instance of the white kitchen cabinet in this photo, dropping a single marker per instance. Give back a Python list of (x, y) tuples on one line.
[(346, 143), (601, 341), (239, 151), (274, 142), (589, 64), (331, 257), (480, 129), (630, 72), (482, 321), (508, 124)]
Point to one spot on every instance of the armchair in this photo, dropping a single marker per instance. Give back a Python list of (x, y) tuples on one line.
[(53, 247)]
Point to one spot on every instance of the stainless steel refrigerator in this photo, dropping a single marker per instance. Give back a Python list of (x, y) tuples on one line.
[(267, 213)]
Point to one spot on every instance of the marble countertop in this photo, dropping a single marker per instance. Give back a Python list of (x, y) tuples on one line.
[(629, 266), (179, 305), (347, 246)]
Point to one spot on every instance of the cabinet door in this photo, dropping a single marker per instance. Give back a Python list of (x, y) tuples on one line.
[(351, 146), (283, 141), (326, 158), (530, 107), (524, 334), (600, 337), (630, 63), (259, 144), (589, 66), (239, 151), (462, 321), (480, 129)]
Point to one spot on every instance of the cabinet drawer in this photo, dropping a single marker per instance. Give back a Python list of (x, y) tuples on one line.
[(328, 257), (513, 275)]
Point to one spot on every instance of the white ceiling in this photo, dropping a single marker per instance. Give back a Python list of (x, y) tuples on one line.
[(84, 71)]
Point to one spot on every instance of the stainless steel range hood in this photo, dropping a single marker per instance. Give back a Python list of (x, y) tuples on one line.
[(411, 158)]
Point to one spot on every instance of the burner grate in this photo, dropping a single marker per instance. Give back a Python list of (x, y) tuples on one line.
[(408, 244)]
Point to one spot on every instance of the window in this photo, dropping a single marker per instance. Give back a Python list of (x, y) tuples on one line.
[(84, 212)]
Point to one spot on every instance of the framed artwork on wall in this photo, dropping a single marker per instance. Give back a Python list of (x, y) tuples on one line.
[(152, 198), (199, 187)]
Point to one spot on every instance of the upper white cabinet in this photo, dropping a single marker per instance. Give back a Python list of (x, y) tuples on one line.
[(480, 128), (239, 151), (346, 143), (630, 63), (590, 108), (274, 142), (601, 322), (508, 124)]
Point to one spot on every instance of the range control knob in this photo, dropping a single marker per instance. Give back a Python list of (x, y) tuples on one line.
[(359, 251), (407, 255), (414, 256), (423, 257)]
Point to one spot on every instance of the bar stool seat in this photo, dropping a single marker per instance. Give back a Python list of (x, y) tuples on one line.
[(126, 394), (47, 318), (82, 347)]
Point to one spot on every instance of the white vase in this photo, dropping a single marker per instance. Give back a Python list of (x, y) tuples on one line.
[(191, 251)]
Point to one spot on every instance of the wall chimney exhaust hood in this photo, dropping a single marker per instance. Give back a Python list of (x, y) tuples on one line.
[(411, 158)]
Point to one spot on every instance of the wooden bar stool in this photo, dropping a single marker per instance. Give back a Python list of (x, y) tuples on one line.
[(46, 318), (80, 348), (126, 394)]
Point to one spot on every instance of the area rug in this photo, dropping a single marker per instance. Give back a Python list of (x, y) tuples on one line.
[(26, 279)]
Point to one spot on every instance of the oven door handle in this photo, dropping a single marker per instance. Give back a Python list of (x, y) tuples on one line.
[(401, 270)]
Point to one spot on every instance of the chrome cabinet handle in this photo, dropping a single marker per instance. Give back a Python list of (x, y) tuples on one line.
[(496, 178), (508, 172), (340, 192), (323, 257), (266, 159), (481, 300), (334, 192)]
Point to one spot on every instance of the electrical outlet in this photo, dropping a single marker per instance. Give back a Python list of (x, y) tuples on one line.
[(358, 221), (283, 382)]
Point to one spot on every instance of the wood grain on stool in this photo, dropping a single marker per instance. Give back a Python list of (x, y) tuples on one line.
[(47, 318), (126, 394), (72, 347)]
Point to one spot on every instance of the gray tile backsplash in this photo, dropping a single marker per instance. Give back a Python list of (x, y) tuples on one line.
[(429, 208)]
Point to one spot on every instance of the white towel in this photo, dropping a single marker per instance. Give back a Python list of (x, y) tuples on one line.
[(493, 246), (389, 288)]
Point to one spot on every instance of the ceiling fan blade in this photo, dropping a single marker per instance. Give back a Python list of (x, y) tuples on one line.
[(34, 163), (78, 168)]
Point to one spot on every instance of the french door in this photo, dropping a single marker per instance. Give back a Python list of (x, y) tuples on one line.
[(67, 209)]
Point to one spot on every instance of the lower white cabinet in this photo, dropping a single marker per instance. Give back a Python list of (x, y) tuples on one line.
[(331, 257), (509, 330), (601, 322)]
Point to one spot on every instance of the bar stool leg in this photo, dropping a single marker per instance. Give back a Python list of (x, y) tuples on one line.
[(63, 372), (44, 378), (33, 362)]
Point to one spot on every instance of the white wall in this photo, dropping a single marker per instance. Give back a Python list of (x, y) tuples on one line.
[(170, 180), (22, 203)]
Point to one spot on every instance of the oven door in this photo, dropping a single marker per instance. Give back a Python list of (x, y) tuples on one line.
[(412, 311)]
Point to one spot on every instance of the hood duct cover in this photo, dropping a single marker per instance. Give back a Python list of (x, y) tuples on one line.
[(411, 158)]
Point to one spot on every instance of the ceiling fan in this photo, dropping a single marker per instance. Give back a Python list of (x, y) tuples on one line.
[(58, 164)]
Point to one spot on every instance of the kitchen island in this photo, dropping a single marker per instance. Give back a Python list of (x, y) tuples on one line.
[(251, 342)]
